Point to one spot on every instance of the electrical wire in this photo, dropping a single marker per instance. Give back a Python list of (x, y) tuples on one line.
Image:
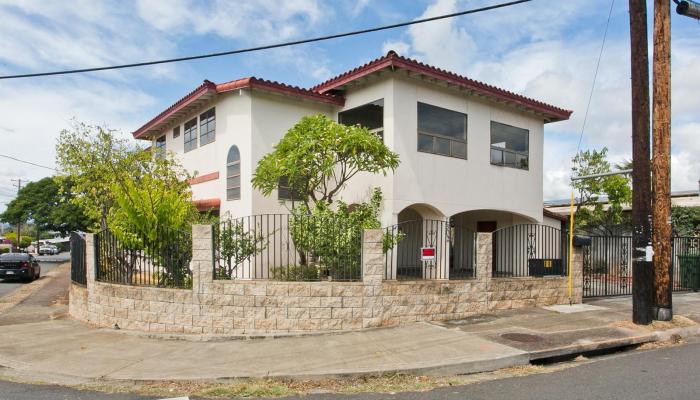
[(28, 162), (269, 46), (595, 77)]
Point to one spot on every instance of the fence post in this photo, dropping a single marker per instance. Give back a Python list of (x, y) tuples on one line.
[(577, 274), (372, 277), (202, 258), (90, 267), (484, 257)]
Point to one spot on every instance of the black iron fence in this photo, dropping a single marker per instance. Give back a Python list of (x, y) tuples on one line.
[(529, 250), (161, 260), (607, 266), (78, 271), (288, 248), (453, 251)]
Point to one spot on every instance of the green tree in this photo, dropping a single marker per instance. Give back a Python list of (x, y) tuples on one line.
[(143, 199), (94, 158), (685, 220), (48, 204), (591, 215), (318, 156)]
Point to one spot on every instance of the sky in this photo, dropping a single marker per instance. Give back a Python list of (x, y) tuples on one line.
[(542, 49)]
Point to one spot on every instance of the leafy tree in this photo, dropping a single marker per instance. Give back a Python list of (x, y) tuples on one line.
[(94, 158), (318, 156), (47, 203), (686, 220), (142, 198), (590, 214)]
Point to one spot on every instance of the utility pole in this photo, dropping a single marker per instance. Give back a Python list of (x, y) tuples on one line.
[(661, 168), (19, 223), (642, 267)]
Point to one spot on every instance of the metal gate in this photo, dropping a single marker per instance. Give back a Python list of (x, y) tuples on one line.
[(77, 258), (607, 265)]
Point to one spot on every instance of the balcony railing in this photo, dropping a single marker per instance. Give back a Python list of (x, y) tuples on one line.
[(509, 158)]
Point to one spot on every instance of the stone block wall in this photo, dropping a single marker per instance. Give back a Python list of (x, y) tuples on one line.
[(261, 306)]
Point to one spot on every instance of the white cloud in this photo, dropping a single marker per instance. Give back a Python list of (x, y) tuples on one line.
[(252, 21), (398, 46)]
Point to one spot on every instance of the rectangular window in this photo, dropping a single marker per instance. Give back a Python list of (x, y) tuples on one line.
[(207, 127), (284, 192), (233, 180), (191, 135), (176, 132), (370, 116), (509, 146), (442, 131), (160, 146)]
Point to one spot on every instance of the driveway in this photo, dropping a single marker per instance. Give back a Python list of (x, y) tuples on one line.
[(7, 286)]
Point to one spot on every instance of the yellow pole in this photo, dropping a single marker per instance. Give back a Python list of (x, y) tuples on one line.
[(571, 244)]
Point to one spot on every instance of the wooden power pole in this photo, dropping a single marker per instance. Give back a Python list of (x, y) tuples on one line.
[(642, 267), (661, 168)]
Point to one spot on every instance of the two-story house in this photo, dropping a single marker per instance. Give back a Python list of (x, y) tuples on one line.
[(470, 152)]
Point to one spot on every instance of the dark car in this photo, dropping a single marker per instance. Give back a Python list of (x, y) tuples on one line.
[(19, 266)]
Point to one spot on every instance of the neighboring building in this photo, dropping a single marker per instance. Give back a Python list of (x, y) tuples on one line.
[(469, 151), (683, 198)]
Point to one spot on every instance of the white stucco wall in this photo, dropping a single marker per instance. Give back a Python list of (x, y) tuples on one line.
[(454, 185), (272, 116)]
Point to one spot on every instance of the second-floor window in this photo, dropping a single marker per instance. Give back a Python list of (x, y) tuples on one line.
[(160, 146), (176, 132), (442, 131), (191, 134), (370, 116), (207, 127), (509, 146)]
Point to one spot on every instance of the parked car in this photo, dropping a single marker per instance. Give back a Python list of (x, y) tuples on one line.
[(48, 249), (19, 266)]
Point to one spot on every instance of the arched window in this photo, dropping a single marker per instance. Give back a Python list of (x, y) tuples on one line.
[(233, 174)]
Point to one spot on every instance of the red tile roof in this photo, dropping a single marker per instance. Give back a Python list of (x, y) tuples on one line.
[(323, 92), (393, 60), (208, 89)]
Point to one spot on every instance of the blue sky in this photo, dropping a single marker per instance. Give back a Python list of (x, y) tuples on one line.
[(542, 49)]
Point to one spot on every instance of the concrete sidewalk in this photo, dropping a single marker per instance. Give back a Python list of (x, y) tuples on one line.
[(65, 349)]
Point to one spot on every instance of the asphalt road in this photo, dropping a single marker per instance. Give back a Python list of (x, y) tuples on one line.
[(6, 286), (667, 373)]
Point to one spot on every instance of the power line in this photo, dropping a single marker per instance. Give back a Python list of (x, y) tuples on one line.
[(595, 77), (28, 162), (269, 46)]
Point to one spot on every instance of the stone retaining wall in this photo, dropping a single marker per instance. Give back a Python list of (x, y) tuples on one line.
[(260, 306)]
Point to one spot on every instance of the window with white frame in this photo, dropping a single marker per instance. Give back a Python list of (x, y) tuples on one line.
[(509, 146), (370, 116), (207, 127), (190, 134), (233, 174), (442, 131)]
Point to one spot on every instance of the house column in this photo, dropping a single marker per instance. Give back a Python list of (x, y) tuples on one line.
[(202, 264)]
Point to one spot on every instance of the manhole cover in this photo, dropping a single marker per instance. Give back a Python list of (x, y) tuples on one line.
[(521, 337)]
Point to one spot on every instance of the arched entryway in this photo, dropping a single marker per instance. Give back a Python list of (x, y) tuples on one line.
[(419, 225)]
